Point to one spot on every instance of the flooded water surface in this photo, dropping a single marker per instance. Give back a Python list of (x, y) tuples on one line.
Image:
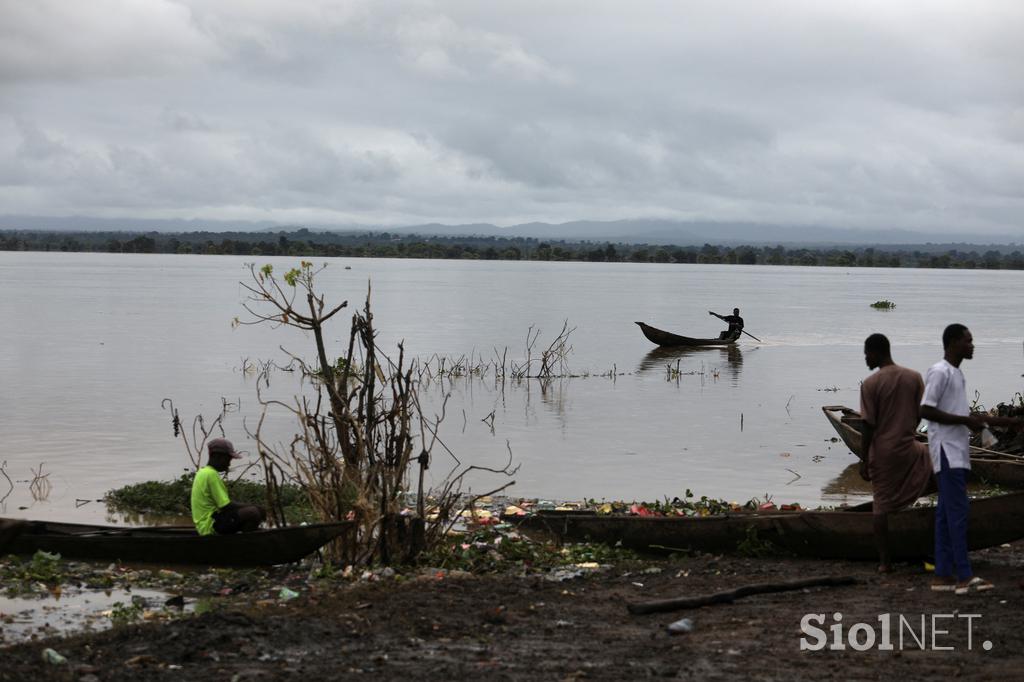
[(73, 610), (93, 343)]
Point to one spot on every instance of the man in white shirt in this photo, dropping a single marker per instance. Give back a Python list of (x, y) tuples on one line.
[(950, 421)]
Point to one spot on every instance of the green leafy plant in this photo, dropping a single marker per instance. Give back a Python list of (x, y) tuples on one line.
[(19, 575), (884, 304), (125, 614), (754, 546), (44, 567)]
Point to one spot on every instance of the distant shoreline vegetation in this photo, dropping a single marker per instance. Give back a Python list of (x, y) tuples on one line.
[(304, 242)]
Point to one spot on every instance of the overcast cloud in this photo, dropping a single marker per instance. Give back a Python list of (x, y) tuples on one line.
[(873, 114)]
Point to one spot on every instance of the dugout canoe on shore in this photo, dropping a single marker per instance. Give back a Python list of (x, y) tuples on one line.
[(173, 544), (986, 466), (670, 340), (817, 534), (9, 530)]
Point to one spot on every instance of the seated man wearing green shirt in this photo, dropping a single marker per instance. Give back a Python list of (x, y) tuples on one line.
[(213, 512)]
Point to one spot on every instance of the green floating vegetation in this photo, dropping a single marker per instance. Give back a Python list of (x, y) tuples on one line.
[(884, 304), (122, 614), (688, 505), (173, 498), (18, 576), (491, 550)]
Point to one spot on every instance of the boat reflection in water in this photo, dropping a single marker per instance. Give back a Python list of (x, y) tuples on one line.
[(847, 488), (727, 359)]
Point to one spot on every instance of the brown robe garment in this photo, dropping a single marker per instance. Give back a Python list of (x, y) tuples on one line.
[(899, 465)]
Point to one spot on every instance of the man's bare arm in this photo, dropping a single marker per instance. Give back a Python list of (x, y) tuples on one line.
[(1009, 422), (973, 421), (867, 435)]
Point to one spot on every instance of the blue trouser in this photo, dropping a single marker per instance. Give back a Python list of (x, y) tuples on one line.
[(951, 523)]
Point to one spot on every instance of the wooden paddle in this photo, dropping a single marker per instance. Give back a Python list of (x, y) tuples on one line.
[(1008, 455)]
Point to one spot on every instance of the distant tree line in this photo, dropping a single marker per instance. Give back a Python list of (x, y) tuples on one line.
[(303, 242)]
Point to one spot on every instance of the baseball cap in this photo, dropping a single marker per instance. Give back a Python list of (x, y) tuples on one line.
[(223, 445)]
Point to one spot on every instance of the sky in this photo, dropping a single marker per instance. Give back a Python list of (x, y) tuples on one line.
[(861, 114)]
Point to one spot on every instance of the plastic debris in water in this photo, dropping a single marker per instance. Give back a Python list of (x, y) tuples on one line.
[(53, 658), (558, 575), (287, 594), (680, 627)]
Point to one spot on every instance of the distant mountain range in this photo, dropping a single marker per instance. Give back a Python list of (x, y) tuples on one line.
[(626, 231), (698, 233)]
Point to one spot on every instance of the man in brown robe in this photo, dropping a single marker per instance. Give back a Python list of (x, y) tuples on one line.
[(896, 463)]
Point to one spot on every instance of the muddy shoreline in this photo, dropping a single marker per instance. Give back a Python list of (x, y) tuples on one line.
[(432, 624)]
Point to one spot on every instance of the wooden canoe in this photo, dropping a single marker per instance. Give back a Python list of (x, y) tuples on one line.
[(9, 530), (1003, 470), (174, 544), (815, 534), (670, 340)]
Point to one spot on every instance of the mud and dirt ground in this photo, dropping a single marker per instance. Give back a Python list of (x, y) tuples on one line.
[(465, 627)]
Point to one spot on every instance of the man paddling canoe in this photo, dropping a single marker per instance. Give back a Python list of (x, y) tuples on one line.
[(735, 324)]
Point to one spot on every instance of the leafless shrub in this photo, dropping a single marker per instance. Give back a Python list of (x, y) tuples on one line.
[(489, 420), (262, 369), (10, 483), (202, 429), (40, 485), (547, 363), (361, 432)]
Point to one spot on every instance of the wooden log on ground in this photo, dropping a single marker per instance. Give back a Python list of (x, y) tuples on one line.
[(662, 605)]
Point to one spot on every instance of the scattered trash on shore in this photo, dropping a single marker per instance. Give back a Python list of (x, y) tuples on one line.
[(680, 627)]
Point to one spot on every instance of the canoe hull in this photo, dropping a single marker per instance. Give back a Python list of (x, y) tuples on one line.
[(1004, 471), (850, 535), (670, 340), (175, 544), (10, 529), (815, 534)]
